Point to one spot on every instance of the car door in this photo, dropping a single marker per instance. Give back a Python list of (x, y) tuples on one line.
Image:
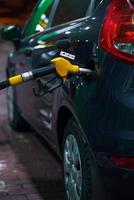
[(24, 55), (40, 109)]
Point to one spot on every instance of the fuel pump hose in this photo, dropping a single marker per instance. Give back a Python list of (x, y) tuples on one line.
[(26, 76), (61, 66)]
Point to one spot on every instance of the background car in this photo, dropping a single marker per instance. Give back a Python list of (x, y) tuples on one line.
[(89, 120)]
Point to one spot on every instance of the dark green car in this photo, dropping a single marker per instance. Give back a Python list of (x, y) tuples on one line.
[(87, 120)]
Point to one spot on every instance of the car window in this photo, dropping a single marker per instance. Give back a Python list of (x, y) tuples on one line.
[(69, 10), (39, 19)]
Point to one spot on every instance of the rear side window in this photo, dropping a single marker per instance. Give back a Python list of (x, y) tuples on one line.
[(69, 10)]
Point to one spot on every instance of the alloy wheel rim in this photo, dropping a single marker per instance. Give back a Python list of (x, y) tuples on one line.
[(72, 169)]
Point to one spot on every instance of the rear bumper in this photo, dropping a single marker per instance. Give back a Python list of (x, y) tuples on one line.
[(118, 182)]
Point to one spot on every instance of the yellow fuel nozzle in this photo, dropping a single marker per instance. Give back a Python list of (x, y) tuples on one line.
[(64, 67), (59, 65)]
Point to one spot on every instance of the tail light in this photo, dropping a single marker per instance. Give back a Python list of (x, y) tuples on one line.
[(117, 34), (123, 162)]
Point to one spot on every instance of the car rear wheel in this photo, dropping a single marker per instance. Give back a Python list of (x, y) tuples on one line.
[(15, 119), (76, 164)]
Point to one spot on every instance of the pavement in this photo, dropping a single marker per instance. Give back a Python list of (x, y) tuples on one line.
[(28, 168)]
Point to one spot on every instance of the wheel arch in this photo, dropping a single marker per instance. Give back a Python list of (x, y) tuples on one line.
[(64, 114)]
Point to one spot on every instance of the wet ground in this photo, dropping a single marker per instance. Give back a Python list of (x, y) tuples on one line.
[(28, 169)]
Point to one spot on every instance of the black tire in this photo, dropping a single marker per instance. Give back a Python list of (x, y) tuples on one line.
[(73, 131), (16, 121)]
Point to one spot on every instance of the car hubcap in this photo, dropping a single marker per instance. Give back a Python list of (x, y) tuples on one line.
[(10, 102), (72, 169)]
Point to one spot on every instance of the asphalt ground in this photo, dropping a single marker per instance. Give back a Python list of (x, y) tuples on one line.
[(28, 169)]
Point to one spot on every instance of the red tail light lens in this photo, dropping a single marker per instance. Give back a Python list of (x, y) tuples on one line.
[(117, 34), (123, 162)]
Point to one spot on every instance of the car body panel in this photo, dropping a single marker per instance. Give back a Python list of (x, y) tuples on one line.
[(35, 106), (75, 89)]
